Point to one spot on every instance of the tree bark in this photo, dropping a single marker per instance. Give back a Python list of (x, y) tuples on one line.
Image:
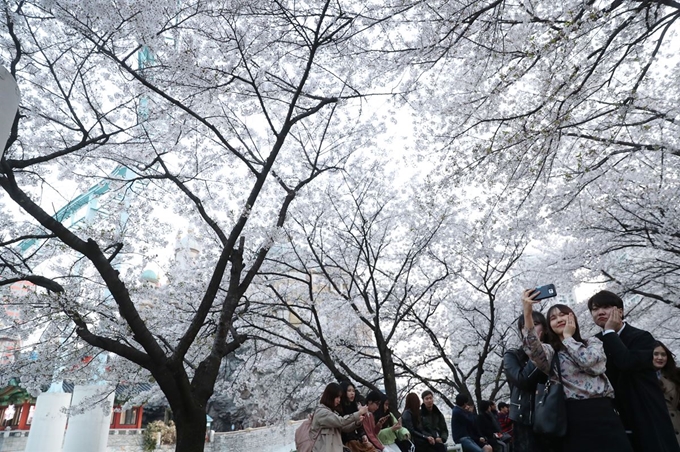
[(388, 368), (190, 423)]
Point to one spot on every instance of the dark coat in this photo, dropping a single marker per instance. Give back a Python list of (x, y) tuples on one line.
[(463, 424), (639, 397), (523, 377), (418, 435), (434, 422), (414, 428), (487, 428), (352, 435)]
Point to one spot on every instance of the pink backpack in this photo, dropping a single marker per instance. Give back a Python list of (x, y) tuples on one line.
[(303, 436)]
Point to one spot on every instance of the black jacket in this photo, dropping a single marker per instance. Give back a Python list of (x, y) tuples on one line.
[(358, 433), (523, 377), (434, 422), (487, 428), (464, 424), (639, 397)]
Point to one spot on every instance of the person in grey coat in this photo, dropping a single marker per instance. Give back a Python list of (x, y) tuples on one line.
[(327, 424)]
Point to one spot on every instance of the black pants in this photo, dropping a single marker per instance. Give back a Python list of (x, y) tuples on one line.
[(405, 445), (525, 440), (594, 426), (422, 445)]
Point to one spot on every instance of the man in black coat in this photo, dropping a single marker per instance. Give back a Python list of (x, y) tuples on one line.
[(464, 429), (639, 397), (433, 420)]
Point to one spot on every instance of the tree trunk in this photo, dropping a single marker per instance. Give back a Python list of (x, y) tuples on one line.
[(389, 373), (191, 429)]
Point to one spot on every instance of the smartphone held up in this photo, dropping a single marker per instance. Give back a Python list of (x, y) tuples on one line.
[(547, 291)]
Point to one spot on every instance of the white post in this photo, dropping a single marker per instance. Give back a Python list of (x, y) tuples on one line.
[(9, 99), (49, 422), (90, 418)]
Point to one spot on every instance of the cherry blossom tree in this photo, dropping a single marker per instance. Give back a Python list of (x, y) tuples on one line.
[(169, 116), (570, 113), (353, 270), (466, 333)]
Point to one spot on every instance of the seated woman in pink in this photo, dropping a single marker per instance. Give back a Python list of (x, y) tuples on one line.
[(372, 426)]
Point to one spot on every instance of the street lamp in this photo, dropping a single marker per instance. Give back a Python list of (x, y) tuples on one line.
[(9, 105)]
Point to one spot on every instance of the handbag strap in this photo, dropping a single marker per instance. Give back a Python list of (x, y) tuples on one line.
[(556, 364), (311, 421)]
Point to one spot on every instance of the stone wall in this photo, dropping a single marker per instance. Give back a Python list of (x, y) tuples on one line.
[(12, 443), (278, 438), (124, 443)]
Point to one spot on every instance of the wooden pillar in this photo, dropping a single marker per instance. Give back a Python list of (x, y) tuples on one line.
[(23, 418), (140, 412), (116, 417)]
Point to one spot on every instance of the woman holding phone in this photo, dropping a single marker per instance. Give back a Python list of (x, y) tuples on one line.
[(373, 425), (592, 423), (392, 432), (328, 423), (523, 377)]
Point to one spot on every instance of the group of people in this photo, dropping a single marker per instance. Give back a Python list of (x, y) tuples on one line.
[(621, 388), (341, 423), (488, 431)]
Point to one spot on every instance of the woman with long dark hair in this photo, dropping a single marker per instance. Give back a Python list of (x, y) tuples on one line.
[(327, 423), (410, 418), (669, 377), (392, 432), (592, 423), (523, 377), (355, 440)]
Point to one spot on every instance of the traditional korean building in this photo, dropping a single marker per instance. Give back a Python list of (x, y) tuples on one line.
[(17, 407)]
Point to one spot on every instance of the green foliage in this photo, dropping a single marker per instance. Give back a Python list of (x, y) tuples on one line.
[(167, 431)]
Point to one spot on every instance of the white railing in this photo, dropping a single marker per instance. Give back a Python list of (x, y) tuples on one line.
[(16, 433), (126, 431)]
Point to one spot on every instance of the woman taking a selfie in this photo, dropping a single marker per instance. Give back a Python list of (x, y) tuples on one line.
[(523, 377), (592, 423), (327, 423)]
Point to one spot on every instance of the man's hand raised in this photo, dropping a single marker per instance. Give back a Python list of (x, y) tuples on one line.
[(615, 320)]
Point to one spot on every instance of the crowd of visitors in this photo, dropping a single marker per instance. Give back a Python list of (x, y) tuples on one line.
[(619, 392)]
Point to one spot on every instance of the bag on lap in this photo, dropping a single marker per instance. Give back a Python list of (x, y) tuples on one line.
[(405, 445), (550, 409), (358, 446)]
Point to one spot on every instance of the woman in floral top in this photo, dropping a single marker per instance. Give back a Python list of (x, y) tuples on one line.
[(592, 423)]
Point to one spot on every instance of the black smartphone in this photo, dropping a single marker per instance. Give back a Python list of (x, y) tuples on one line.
[(546, 291)]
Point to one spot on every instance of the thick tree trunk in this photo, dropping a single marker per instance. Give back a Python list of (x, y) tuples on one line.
[(389, 375), (191, 429), (188, 402)]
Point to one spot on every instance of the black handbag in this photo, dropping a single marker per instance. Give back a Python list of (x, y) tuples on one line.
[(550, 408)]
